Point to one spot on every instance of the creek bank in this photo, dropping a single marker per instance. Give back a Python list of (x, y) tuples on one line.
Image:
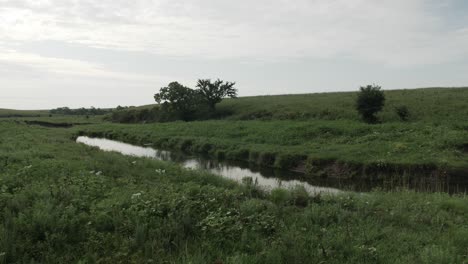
[(424, 177)]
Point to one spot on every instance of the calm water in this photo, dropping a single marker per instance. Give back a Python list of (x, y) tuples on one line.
[(269, 178)]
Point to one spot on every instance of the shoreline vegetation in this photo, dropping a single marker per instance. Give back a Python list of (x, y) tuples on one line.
[(319, 149)]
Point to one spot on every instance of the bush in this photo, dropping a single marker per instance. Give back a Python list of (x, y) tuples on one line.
[(280, 196), (402, 112), (370, 101)]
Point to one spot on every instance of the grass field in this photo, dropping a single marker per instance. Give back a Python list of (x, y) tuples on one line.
[(22, 113), (428, 105), (62, 202)]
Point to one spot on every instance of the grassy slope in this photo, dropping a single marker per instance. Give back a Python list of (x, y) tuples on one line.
[(429, 105), (55, 208), (425, 104)]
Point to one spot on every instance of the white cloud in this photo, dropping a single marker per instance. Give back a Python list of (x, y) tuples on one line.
[(76, 68), (304, 44), (393, 32)]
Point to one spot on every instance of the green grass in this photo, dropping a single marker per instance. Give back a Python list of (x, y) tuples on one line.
[(22, 113), (322, 134), (428, 105), (45, 116), (414, 147), (424, 104), (62, 202), (70, 119)]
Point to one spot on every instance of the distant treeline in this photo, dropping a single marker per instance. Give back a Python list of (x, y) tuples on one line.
[(79, 111)]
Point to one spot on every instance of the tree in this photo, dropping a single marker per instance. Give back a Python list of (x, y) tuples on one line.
[(370, 101), (178, 98), (213, 92)]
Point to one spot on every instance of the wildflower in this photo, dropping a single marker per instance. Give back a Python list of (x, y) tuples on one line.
[(98, 173), (28, 167), (136, 195), (134, 162)]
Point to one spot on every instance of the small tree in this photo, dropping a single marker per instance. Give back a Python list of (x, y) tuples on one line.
[(213, 92), (370, 101)]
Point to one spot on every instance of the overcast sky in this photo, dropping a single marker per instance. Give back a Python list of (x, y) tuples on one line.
[(120, 52)]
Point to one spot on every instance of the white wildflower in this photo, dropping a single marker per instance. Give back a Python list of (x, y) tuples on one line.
[(98, 173), (136, 195)]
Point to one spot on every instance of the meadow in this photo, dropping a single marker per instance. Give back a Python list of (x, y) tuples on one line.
[(321, 134), (432, 105), (62, 202)]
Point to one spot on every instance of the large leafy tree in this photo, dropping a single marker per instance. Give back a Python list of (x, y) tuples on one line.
[(178, 98), (370, 101), (213, 92)]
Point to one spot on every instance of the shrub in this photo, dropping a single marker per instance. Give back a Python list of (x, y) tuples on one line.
[(369, 102), (402, 112)]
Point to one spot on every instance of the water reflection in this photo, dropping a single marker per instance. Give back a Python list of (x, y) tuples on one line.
[(265, 178)]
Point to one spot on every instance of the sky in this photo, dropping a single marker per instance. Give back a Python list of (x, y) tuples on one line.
[(83, 53)]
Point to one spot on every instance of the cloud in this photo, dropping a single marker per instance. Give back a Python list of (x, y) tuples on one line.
[(393, 32), (32, 63)]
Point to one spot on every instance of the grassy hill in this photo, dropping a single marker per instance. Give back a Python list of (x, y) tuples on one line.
[(426, 104)]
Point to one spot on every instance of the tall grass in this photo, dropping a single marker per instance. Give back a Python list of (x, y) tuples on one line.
[(61, 202)]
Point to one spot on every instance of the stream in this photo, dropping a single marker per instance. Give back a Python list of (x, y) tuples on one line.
[(268, 178)]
